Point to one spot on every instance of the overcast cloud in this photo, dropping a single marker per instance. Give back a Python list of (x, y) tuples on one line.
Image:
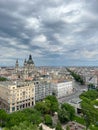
[(55, 32)]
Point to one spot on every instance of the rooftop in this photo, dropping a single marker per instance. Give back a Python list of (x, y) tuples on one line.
[(61, 81), (76, 100), (7, 83), (17, 83)]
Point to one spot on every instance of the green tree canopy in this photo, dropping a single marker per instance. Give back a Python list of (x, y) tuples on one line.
[(3, 79), (15, 118), (54, 105), (67, 127), (3, 117), (29, 114), (58, 126), (23, 126), (77, 77), (89, 111), (34, 117), (70, 109), (63, 115), (42, 107), (48, 120), (91, 94), (48, 106)]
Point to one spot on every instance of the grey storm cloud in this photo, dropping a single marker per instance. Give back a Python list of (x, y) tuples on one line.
[(55, 32)]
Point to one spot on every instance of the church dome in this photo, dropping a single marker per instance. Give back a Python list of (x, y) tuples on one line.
[(30, 61)]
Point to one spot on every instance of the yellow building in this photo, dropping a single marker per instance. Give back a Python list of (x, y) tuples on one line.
[(15, 96)]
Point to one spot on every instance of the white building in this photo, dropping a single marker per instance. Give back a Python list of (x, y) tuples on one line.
[(63, 88)]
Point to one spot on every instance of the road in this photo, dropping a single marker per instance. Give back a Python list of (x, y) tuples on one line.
[(78, 89)]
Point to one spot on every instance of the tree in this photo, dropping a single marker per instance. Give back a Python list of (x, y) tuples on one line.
[(3, 79), (48, 120), (42, 107), (15, 118), (91, 94), (40, 128), (48, 106), (93, 127), (89, 112), (77, 77), (70, 109), (21, 120), (54, 105), (63, 116), (3, 117), (32, 115), (58, 126), (23, 126), (67, 127)]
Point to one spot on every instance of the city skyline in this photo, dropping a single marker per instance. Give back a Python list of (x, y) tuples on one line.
[(55, 33)]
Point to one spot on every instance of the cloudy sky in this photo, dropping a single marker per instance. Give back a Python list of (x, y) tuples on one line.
[(55, 32)]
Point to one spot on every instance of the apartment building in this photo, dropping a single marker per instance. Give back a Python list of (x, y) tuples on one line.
[(15, 96), (42, 89), (62, 88), (91, 79)]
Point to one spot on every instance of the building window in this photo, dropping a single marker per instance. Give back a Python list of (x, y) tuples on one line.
[(23, 93), (17, 107), (32, 103), (29, 104), (13, 108)]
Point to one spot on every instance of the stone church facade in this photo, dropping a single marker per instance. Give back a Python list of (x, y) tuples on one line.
[(28, 71)]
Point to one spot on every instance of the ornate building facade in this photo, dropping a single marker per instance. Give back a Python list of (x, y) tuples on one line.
[(19, 92), (16, 96), (28, 71)]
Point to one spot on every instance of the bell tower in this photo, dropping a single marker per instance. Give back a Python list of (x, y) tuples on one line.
[(25, 70), (17, 66), (30, 65)]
